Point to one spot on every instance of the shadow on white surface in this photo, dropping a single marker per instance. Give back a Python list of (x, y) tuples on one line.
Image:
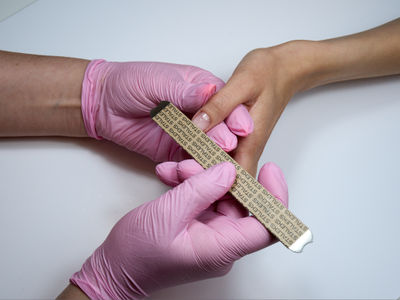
[(114, 154)]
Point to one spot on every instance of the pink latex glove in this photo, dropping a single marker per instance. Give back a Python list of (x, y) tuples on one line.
[(180, 237), (117, 99)]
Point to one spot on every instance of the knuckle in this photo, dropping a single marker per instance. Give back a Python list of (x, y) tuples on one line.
[(218, 107)]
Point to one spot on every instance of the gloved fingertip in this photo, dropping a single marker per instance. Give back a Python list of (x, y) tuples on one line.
[(207, 187), (196, 95), (207, 76), (223, 137), (276, 170), (188, 168), (179, 155), (167, 173), (257, 237), (219, 85), (222, 174), (272, 178), (239, 121)]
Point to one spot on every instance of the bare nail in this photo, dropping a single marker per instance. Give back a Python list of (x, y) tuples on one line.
[(202, 121)]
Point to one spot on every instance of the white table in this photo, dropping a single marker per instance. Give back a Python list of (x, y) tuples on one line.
[(338, 146)]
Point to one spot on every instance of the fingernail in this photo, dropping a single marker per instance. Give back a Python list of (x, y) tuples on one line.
[(202, 121)]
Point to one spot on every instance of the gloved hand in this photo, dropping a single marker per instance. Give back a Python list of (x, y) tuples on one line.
[(117, 99), (180, 237)]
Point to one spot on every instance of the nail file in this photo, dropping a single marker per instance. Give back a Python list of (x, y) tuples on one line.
[(246, 189)]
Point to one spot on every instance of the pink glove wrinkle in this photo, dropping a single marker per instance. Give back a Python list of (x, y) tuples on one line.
[(117, 99), (178, 238), (89, 107)]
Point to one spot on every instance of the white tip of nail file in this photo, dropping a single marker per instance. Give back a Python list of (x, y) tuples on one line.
[(303, 240)]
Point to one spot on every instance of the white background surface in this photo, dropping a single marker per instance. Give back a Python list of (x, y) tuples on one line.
[(338, 146)]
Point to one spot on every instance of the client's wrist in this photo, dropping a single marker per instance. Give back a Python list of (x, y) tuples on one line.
[(302, 64), (72, 292)]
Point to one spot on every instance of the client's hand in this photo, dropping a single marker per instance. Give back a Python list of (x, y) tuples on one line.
[(117, 99), (184, 235)]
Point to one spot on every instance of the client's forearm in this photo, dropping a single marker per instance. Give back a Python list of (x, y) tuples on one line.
[(72, 292), (40, 95), (372, 53)]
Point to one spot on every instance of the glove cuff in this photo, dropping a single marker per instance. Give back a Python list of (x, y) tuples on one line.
[(97, 281), (89, 100)]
